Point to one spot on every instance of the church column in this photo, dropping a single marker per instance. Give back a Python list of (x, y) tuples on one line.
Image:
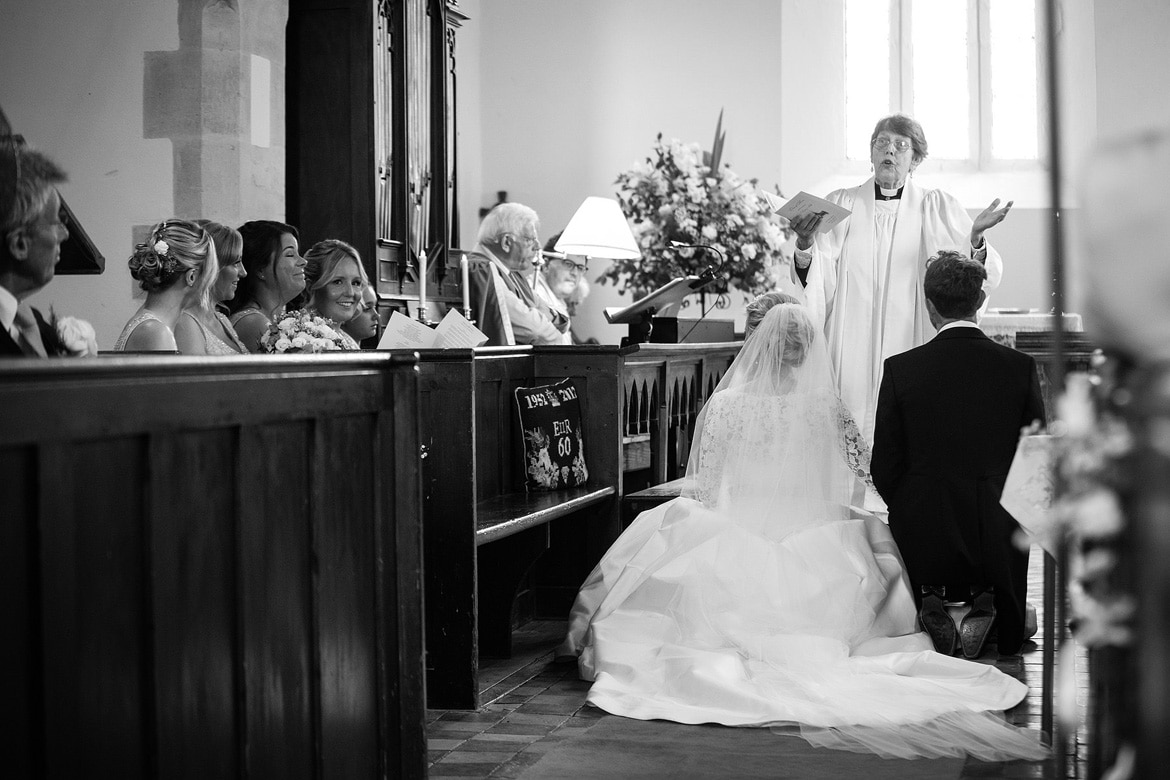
[(220, 99)]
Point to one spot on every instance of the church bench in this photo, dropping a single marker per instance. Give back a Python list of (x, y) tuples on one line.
[(211, 567), (492, 550)]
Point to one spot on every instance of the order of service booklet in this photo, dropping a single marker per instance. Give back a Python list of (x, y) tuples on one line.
[(454, 331), (803, 203)]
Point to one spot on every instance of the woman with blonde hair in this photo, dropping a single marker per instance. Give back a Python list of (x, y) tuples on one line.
[(334, 281), (177, 267), (203, 329)]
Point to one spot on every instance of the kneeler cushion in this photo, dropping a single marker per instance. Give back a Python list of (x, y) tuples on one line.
[(554, 450)]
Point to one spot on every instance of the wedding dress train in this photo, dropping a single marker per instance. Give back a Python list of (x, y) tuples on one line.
[(761, 598)]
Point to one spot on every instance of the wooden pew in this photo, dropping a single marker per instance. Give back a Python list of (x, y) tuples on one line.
[(483, 533), (211, 567)]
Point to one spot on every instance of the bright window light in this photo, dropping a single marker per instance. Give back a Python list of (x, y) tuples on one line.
[(867, 72), (1013, 80), (941, 77)]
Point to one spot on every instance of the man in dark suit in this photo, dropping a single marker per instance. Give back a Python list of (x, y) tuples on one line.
[(31, 234), (949, 416)]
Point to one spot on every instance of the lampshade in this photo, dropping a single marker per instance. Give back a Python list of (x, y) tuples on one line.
[(599, 229)]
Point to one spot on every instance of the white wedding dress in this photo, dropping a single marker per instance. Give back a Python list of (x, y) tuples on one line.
[(762, 598)]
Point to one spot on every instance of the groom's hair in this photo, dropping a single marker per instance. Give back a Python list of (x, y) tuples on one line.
[(953, 283)]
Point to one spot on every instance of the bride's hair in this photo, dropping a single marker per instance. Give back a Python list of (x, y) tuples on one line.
[(761, 306)]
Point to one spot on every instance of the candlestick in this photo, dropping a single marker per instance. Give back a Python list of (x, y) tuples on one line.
[(422, 286), (466, 273)]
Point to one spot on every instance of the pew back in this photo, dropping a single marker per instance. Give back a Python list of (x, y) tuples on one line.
[(212, 567)]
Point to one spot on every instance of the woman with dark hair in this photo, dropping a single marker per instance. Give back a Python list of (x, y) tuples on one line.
[(274, 275), (177, 267), (863, 278), (203, 329)]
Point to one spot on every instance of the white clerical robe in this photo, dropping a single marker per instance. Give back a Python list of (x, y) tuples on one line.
[(865, 282)]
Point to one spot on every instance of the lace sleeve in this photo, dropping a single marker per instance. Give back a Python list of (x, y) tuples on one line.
[(854, 448)]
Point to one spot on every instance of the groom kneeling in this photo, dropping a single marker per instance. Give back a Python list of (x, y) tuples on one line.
[(949, 416)]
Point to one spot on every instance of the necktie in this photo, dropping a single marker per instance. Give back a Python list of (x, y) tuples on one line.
[(28, 334)]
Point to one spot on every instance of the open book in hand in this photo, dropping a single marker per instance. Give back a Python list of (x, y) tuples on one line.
[(454, 332), (802, 203)]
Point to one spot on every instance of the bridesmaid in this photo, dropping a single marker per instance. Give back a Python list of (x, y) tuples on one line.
[(176, 267), (334, 283), (204, 330), (274, 275)]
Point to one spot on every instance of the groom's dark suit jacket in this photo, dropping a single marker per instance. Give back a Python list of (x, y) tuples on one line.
[(949, 416)]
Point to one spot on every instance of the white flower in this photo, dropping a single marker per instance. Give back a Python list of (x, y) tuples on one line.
[(161, 247), (710, 232), (299, 341), (282, 344), (76, 336)]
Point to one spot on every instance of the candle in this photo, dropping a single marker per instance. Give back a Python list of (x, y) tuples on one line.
[(422, 286), (465, 271)]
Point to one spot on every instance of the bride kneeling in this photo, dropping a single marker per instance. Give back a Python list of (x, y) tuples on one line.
[(764, 597)]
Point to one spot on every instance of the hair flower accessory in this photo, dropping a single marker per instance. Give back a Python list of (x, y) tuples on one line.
[(162, 247), (301, 331)]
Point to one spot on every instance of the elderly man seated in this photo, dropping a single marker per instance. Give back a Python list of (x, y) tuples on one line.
[(501, 296)]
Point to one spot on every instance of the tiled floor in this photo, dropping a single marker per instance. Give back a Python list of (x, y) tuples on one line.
[(535, 704)]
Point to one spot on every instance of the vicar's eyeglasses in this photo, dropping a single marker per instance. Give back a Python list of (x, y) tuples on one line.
[(881, 143)]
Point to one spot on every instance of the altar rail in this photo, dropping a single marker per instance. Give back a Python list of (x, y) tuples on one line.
[(211, 567), (663, 388)]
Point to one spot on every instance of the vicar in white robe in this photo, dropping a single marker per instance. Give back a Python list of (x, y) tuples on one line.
[(863, 278)]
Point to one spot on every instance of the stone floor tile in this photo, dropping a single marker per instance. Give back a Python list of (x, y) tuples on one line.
[(478, 757), (502, 737), (439, 743)]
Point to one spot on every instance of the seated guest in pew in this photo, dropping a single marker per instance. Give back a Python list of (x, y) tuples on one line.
[(501, 296), (365, 325), (274, 275), (31, 234), (177, 267), (204, 330), (556, 280), (334, 280)]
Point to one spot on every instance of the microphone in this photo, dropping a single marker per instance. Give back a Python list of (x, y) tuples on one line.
[(709, 274)]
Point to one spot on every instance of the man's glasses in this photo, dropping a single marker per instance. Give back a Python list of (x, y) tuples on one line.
[(881, 143), (574, 266), (531, 241)]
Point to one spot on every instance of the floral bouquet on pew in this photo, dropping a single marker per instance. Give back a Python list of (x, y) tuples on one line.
[(302, 331)]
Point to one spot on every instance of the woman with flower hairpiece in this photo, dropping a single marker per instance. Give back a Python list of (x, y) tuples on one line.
[(204, 330), (176, 267), (274, 275)]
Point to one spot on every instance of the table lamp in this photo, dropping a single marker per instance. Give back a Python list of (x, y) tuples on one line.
[(599, 229)]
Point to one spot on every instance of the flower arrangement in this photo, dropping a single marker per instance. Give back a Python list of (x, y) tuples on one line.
[(682, 194), (302, 331)]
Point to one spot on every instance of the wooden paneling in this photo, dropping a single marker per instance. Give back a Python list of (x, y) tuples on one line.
[(192, 593), (213, 567)]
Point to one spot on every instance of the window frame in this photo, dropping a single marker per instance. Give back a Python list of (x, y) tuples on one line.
[(979, 132)]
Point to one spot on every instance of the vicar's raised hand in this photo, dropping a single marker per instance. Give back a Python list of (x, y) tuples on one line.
[(805, 227), (987, 219)]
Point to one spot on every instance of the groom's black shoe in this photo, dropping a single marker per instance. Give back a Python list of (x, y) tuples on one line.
[(977, 623), (935, 620)]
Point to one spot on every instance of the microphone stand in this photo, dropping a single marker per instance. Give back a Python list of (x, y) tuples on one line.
[(709, 274)]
